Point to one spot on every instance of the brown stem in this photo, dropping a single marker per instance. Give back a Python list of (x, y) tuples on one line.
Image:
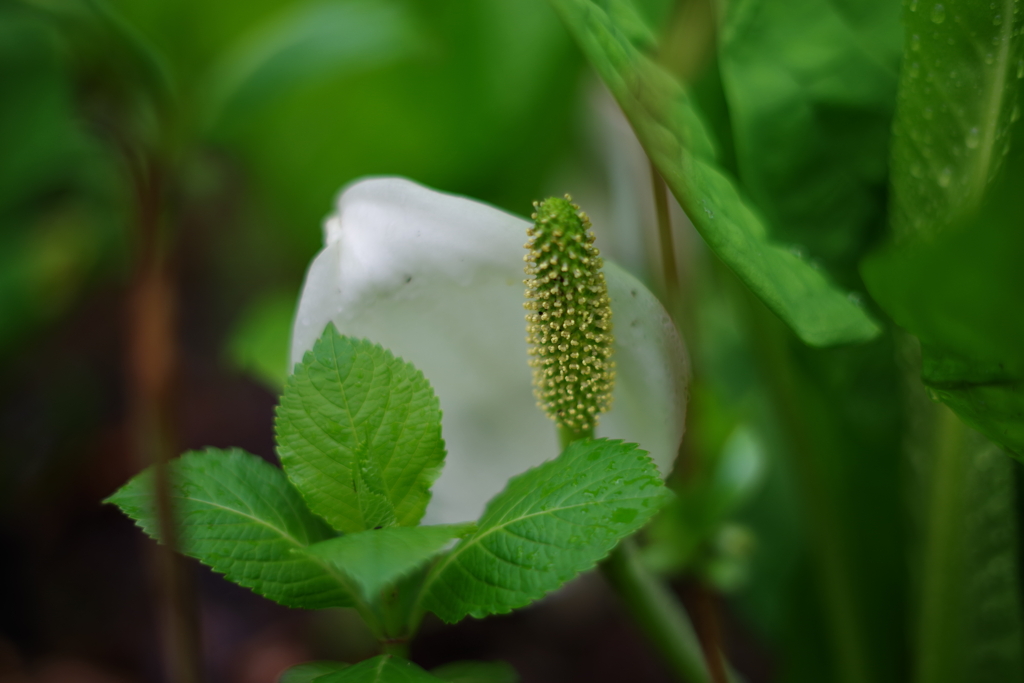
[(666, 245), (152, 366), (709, 632)]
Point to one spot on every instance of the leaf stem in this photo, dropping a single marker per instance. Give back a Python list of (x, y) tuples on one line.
[(567, 436), (666, 245), (151, 363), (658, 612), (937, 625)]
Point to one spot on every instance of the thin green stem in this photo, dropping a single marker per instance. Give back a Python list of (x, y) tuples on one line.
[(937, 626), (396, 648), (666, 244), (567, 436), (651, 603), (658, 612)]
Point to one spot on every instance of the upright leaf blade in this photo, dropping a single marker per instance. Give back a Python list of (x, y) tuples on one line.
[(548, 525), (239, 515), (957, 96), (678, 144), (951, 274), (359, 434), (382, 669), (377, 558)]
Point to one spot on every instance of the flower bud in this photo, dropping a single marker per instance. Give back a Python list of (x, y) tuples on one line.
[(569, 324)]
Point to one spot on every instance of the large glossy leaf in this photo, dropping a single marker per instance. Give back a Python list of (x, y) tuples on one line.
[(957, 97), (239, 515), (951, 275), (677, 141), (960, 292), (548, 525), (378, 557), (359, 434), (811, 87)]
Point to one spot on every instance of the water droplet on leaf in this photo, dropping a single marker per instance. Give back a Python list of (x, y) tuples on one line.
[(938, 14), (973, 137), (945, 177)]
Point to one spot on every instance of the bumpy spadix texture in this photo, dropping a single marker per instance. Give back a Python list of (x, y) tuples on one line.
[(569, 326)]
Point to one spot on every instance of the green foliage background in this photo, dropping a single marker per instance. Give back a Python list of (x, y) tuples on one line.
[(853, 310)]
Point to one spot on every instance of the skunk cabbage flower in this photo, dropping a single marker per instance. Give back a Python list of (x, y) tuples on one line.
[(438, 280)]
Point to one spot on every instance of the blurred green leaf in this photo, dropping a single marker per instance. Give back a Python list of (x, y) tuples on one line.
[(382, 669), (704, 503), (259, 342), (310, 671), (476, 672), (951, 275), (308, 43), (57, 218), (959, 293), (678, 143), (811, 86), (969, 623), (474, 98)]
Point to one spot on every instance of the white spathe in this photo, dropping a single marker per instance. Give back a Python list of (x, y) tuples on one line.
[(438, 280)]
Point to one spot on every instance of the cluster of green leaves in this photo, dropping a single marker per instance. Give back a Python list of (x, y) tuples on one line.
[(830, 146), (359, 438)]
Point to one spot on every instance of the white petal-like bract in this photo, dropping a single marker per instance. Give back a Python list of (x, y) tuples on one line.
[(438, 279)]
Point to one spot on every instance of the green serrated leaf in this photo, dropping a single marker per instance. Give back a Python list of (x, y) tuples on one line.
[(376, 558), (359, 434), (548, 525), (239, 515), (311, 671), (811, 86), (382, 669), (677, 141), (476, 672)]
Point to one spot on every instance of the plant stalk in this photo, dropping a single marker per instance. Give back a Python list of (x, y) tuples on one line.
[(658, 612), (152, 366), (937, 626), (666, 244)]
